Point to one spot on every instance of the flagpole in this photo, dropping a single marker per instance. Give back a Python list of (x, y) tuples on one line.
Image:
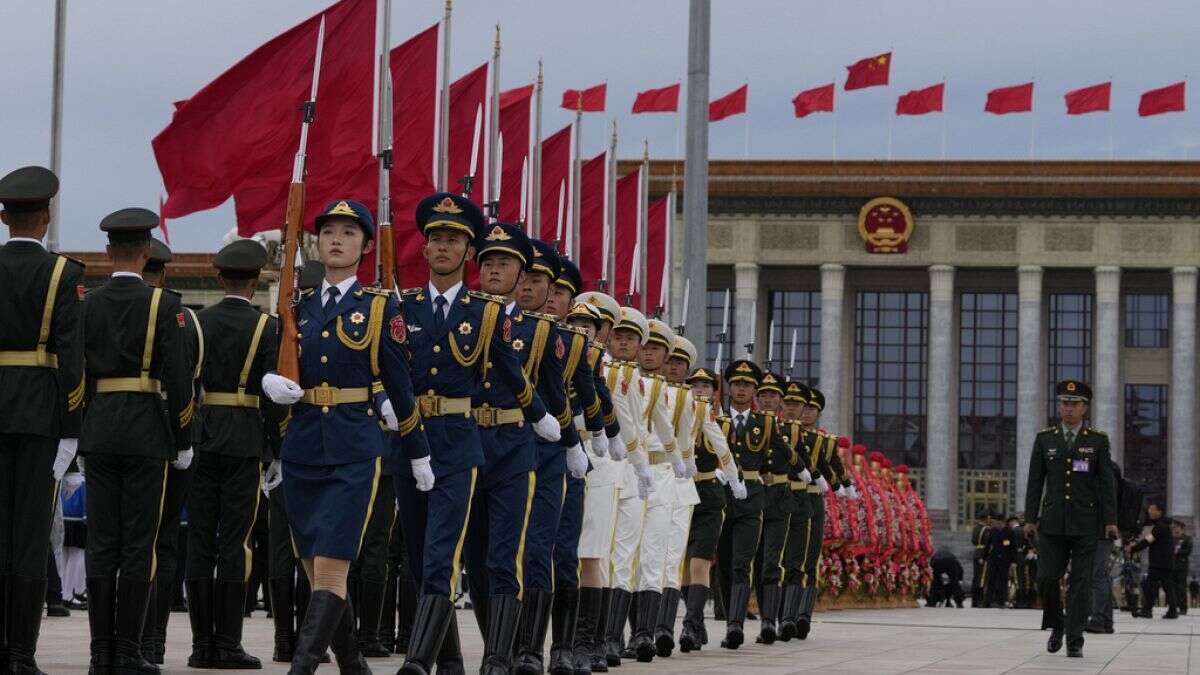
[(835, 119), (746, 122), (535, 186), (493, 163), (576, 173), (610, 211), (643, 218), (443, 168), (56, 114), (944, 78)]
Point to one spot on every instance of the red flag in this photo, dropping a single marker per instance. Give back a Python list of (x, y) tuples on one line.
[(1089, 99), (733, 103), (556, 186), (162, 222), (921, 101), (657, 100), (629, 201), (815, 100), (469, 123), (239, 134), (656, 253), (593, 200), (516, 166), (872, 71), (1158, 101), (585, 100), (1015, 99)]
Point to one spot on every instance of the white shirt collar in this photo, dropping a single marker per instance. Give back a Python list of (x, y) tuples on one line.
[(343, 288), (238, 297), (450, 294), (28, 239), (508, 309), (133, 275), (1075, 429), (744, 414)]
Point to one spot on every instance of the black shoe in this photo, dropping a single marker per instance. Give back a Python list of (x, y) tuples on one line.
[(739, 598), (808, 600), (617, 612), (227, 652), (200, 593), (588, 615), (1094, 628), (1075, 648), (284, 617), (693, 618), (102, 609), (504, 611), (132, 600), (344, 645), (789, 612), (647, 614), (430, 624), (772, 594), (664, 628), (1056, 640), (25, 598), (57, 610), (321, 620), (1171, 614), (564, 619), (369, 605)]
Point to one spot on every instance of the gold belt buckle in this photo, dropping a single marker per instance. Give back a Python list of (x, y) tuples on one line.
[(485, 416), (323, 395), (428, 404)]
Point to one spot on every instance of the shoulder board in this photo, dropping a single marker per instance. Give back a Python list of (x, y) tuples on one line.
[(173, 292), (307, 292), (572, 329), (654, 376), (411, 291), (376, 290), (722, 418), (1089, 430), (682, 386), (1048, 430), (488, 296), (542, 315), (74, 260)]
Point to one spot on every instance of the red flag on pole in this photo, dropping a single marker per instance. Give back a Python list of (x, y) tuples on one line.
[(665, 99), (656, 252), (556, 186), (1164, 100), (1015, 99), (516, 165), (1089, 99), (586, 100), (238, 135), (593, 202), (872, 71), (162, 222), (733, 103), (629, 190), (815, 100), (921, 101), (468, 130)]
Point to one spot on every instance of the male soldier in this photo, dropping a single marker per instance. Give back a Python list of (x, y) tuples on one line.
[(795, 399), (979, 535), (715, 467), (1000, 553), (456, 338), (1024, 584), (41, 397), (1179, 569), (179, 480), (134, 354), (778, 507), (238, 428), (1158, 539), (1070, 499), (513, 508)]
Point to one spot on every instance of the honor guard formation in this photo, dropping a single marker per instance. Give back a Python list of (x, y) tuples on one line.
[(563, 460)]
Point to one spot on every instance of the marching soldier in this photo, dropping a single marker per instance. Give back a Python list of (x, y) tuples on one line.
[(979, 534), (41, 397), (823, 462), (1071, 500), (456, 338), (795, 398), (237, 430), (777, 511), (179, 478), (134, 354)]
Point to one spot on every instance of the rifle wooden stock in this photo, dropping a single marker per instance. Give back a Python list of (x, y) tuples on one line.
[(289, 343), (387, 257)]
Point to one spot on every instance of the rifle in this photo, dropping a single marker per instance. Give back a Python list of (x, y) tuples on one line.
[(386, 252), (289, 344)]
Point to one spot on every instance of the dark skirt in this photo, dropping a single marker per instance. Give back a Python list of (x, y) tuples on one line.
[(328, 506), (707, 517)]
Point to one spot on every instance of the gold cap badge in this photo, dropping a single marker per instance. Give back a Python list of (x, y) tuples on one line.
[(498, 234), (342, 209), (447, 205)]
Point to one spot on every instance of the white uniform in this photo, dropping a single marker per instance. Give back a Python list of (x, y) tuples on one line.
[(631, 507), (683, 409), (663, 451)]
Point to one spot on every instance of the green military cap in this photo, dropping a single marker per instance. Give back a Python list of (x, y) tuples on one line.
[(702, 375), (770, 382), (129, 225), (242, 259), (312, 274), (1073, 390), (29, 188), (160, 254), (796, 392), (816, 398), (743, 370)]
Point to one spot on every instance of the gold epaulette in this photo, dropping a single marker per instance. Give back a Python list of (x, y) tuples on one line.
[(376, 290), (488, 296), (572, 329), (541, 315), (74, 260), (682, 386), (307, 292), (1089, 430), (412, 291)]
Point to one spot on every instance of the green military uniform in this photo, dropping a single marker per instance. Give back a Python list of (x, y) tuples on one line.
[(237, 428), (134, 356), (1071, 497), (1179, 571), (800, 526), (827, 471), (41, 396), (978, 562)]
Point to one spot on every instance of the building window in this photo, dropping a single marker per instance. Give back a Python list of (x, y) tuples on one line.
[(891, 353), (716, 311), (987, 381), (1146, 438), (797, 315), (1070, 343), (1148, 320)]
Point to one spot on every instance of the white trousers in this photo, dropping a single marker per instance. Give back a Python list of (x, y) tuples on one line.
[(630, 516), (681, 526), (656, 530)]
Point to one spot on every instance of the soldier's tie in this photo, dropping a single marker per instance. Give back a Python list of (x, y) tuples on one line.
[(439, 314), (1070, 439), (331, 302)]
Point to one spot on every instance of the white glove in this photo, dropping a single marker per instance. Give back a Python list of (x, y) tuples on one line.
[(599, 444), (680, 469), (577, 461), (823, 484), (721, 477), (616, 449), (806, 476), (389, 415), (79, 463), (66, 452), (183, 460), (71, 483), (548, 428), (273, 477), (645, 483), (738, 488), (280, 389), (691, 467), (853, 493), (423, 473), (841, 491)]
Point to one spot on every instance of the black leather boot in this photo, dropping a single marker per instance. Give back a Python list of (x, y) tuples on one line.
[(283, 613), (503, 613), (316, 631), (808, 600), (229, 599), (563, 617), (599, 638), (664, 626), (647, 614), (739, 599), (102, 615), (132, 598), (3, 623), (535, 619), (370, 609), (790, 612), (590, 600), (25, 599), (406, 607), (693, 619), (344, 644), (479, 607), (303, 593), (769, 613), (153, 646), (618, 610), (200, 612), (450, 658), (387, 615), (627, 650), (430, 623)]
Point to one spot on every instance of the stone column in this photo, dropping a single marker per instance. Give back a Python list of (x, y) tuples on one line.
[(745, 294), (833, 288), (939, 464), (1031, 376), (1181, 449), (1106, 381)]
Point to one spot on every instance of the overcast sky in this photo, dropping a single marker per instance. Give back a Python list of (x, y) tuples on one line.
[(127, 60)]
